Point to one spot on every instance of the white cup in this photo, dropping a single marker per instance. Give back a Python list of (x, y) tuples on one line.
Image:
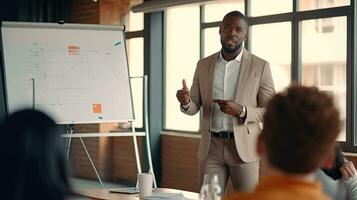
[(145, 184)]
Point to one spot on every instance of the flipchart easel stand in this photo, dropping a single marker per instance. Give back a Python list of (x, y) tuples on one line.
[(69, 135)]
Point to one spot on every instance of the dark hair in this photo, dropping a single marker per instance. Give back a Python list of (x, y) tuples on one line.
[(238, 14), (34, 166), (300, 128), (335, 172)]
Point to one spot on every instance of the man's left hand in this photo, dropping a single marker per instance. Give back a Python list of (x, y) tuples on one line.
[(229, 107)]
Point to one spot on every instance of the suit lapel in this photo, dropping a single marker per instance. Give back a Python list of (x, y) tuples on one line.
[(212, 65), (242, 72)]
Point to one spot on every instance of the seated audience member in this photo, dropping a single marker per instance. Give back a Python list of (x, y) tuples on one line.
[(33, 164), (299, 132), (339, 181)]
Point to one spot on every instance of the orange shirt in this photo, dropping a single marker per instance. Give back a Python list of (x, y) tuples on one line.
[(283, 188)]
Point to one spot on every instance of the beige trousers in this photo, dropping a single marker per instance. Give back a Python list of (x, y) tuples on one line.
[(223, 160)]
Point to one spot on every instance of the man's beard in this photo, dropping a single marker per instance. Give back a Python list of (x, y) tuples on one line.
[(229, 49)]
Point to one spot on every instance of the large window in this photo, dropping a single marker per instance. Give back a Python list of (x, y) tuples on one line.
[(212, 42), (134, 21), (182, 42), (214, 12), (309, 43), (266, 36), (323, 59), (311, 47), (269, 7)]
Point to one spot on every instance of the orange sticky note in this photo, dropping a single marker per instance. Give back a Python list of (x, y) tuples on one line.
[(97, 108)]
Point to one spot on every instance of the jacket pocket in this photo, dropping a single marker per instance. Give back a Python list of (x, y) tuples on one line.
[(254, 129)]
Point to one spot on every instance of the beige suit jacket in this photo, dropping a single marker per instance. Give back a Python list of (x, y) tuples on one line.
[(254, 89)]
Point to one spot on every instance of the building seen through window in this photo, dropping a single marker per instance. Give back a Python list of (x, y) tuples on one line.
[(320, 4), (323, 60)]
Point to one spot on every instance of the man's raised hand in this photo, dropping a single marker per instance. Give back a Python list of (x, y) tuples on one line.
[(183, 95)]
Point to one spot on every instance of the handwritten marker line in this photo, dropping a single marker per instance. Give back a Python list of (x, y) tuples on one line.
[(116, 44)]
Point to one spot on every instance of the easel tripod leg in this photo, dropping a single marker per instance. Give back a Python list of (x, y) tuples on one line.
[(68, 147), (136, 150), (91, 162)]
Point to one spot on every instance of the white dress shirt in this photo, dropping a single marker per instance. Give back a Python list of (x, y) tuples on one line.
[(224, 86)]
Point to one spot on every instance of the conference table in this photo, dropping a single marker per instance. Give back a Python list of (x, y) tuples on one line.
[(102, 194)]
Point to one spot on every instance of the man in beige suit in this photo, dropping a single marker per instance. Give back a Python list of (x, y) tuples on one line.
[(231, 88)]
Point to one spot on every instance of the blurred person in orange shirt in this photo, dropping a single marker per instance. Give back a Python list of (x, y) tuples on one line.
[(300, 128)]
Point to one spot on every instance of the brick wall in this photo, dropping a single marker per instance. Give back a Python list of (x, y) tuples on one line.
[(101, 12), (179, 162), (124, 163), (80, 163), (84, 11), (110, 11), (114, 157), (100, 150)]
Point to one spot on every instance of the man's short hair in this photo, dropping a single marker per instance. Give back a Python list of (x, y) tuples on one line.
[(238, 14), (300, 128)]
